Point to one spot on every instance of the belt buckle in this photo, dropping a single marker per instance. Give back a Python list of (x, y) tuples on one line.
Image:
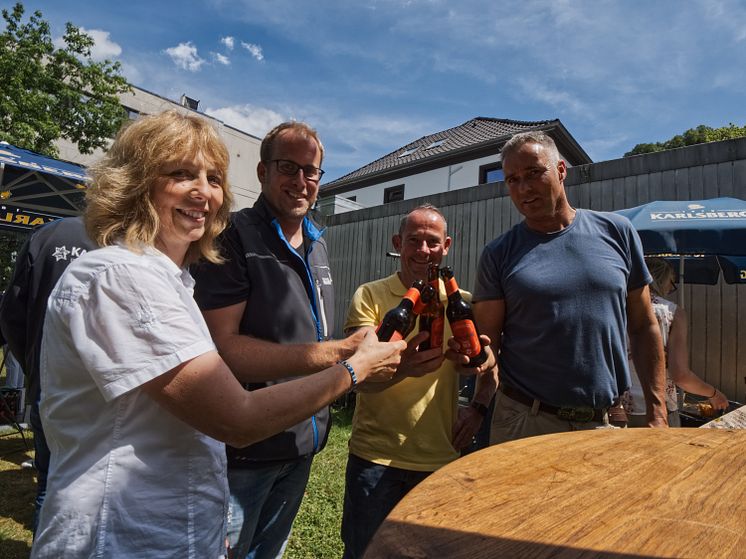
[(582, 414)]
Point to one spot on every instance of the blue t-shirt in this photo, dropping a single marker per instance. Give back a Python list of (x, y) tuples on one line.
[(565, 293)]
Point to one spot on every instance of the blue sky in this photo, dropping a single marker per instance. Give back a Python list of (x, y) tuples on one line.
[(374, 75)]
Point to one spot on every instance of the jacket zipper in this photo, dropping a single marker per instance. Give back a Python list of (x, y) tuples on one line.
[(322, 310)]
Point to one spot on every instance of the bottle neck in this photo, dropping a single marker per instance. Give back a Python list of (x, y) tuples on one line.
[(420, 306), (411, 297), (451, 286)]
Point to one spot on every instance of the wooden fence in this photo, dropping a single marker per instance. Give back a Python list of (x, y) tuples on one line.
[(358, 241)]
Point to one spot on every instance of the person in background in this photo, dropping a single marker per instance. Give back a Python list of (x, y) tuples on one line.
[(557, 295), (40, 262), (404, 429), (136, 401), (673, 325)]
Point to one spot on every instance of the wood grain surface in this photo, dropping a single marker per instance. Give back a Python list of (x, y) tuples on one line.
[(588, 494)]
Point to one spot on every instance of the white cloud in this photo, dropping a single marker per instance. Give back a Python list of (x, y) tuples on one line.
[(557, 98), (729, 15), (228, 42), (185, 56), (255, 50), (103, 48), (249, 118), (221, 59)]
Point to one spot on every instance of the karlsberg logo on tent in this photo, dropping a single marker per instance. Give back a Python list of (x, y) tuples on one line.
[(697, 211)]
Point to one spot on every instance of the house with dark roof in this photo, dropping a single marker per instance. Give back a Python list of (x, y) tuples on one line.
[(460, 157)]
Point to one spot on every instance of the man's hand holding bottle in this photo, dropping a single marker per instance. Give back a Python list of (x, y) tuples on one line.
[(374, 360)]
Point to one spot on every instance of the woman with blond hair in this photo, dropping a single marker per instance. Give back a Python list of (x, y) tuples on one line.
[(136, 402), (674, 331)]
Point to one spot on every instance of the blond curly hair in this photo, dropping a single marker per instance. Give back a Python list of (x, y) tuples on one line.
[(119, 207)]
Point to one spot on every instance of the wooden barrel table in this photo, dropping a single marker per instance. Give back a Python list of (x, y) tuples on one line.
[(625, 493)]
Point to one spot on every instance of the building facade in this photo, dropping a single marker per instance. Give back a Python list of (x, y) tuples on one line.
[(243, 147), (460, 157)]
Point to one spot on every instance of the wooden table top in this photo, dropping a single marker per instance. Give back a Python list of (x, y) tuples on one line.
[(588, 494)]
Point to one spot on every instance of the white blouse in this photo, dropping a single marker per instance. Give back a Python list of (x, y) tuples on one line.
[(126, 478)]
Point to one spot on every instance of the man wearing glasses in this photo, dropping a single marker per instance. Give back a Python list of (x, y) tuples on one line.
[(269, 308)]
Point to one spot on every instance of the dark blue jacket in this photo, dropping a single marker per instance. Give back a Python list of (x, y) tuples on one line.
[(289, 299), (39, 264)]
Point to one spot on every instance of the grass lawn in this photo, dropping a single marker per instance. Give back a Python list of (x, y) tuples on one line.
[(17, 492), (316, 529)]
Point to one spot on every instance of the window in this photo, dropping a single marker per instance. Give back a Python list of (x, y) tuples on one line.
[(352, 198), (436, 144), (492, 172), (189, 103), (409, 151), (132, 114), (393, 194)]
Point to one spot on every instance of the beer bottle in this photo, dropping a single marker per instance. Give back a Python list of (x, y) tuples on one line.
[(399, 321), (432, 319), (461, 318)]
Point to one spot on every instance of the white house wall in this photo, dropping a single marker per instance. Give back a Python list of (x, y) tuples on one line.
[(462, 175)]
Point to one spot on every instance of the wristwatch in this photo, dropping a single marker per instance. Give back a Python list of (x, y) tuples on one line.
[(481, 408)]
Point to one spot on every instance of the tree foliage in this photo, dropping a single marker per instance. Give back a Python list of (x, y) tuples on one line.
[(48, 93), (10, 242), (699, 135)]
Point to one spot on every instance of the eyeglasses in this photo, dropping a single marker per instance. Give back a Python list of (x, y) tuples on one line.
[(290, 168)]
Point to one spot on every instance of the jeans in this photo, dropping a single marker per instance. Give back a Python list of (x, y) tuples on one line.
[(262, 508), (371, 492), (41, 461)]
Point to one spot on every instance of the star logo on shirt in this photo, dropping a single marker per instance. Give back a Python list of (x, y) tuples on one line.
[(60, 253)]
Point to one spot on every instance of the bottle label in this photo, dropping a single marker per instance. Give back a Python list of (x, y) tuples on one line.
[(413, 294), (466, 334)]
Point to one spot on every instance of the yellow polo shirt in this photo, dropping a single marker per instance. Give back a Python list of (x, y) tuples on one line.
[(408, 425)]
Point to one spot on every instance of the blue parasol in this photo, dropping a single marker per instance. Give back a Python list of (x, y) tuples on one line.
[(710, 227), (704, 236)]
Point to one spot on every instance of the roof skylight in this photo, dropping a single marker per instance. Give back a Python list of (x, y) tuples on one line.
[(409, 151), (436, 144)]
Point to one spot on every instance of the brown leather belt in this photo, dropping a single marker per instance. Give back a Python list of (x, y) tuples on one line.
[(580, 414)]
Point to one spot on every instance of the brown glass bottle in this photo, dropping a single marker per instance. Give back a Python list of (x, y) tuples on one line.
[(398, 322), (432, 319), (461, 318)]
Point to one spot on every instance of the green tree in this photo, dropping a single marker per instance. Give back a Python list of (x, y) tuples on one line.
[(48, 93), (699, 135), (10, 242)]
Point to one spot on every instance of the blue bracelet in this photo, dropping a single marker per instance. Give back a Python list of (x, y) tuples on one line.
[(350, 370)]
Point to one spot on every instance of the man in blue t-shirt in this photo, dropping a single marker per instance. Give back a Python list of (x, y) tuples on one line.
[(556, 294)]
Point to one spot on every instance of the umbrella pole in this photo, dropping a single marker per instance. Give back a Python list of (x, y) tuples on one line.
[(681, 281)]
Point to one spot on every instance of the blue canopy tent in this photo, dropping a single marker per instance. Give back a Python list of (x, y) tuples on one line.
[(35, 189), (702, 236)]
